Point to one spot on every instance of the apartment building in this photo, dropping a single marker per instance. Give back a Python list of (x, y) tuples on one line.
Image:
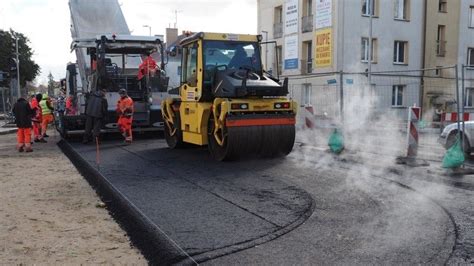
[(449, 41), (333, 35)]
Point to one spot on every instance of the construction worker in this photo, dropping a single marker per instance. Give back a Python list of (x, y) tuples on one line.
[(47, 115), (23, 114), (147, 67), (37, 116), (70, 105), (125, 115), (96, 111)]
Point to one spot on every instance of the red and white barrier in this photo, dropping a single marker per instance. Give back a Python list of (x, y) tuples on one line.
[(453, 117), (309, 117), (413, 119)]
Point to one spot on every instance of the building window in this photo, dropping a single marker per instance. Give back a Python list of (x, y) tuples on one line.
[(438, 71), (397, 95), (471, 17), (308, 6), (278, 22), (402, 8), (307, 62), (280, 60), (470, 57), (306, 94), (364, 56), (469, 97), (369, 7), (443, 6), (307, 19), (400, 52), (441, 41)]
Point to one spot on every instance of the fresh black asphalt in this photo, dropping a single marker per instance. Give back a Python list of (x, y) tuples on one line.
[(279, 211)]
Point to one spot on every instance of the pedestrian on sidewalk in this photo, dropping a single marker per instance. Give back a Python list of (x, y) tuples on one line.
[(47, 114), (34, 104), (96, 111), (23, 114), (125, 114)]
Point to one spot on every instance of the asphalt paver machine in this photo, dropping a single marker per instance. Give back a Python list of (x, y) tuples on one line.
[(114, 61), (108, 57)]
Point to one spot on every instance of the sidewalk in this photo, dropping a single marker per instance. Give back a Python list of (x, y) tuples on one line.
[(6, 130), (50, 215)]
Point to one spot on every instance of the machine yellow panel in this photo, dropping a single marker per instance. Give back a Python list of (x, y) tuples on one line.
[(194, 118), (195, 138)]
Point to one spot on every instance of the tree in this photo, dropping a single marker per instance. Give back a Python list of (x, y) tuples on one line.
[(28, 68)]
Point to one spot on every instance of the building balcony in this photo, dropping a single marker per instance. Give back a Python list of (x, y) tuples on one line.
[(307, 25), (277, 30), (440, 47), (306, 67)]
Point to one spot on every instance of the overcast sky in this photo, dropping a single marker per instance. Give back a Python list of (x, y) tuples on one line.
[(46, 23)]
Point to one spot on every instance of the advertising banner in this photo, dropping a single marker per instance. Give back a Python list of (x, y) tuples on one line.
[(291, 16), (323, 48), (291, 52), (323, 17)]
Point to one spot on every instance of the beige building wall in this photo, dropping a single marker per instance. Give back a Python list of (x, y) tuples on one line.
[(439, 94)]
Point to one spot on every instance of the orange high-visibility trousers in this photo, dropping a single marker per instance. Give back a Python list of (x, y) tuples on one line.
[(23, 137), (48, 118), (125, 127), (37, 130)]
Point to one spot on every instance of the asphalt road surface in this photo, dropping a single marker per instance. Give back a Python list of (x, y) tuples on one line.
[(310, 207)]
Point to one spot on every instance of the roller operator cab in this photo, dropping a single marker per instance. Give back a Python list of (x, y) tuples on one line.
[(227, 101)]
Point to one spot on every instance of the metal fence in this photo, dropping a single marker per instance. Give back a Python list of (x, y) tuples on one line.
[(337, 96)]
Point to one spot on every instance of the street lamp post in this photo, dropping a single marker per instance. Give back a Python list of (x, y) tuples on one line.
[(149, 28), (266, 49), (17, 68), (371, 8)]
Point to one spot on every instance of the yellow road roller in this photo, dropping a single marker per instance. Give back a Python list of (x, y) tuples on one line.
[(227, 101)]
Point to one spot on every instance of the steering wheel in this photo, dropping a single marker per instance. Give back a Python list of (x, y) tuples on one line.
[(246, 71), (242, 74)]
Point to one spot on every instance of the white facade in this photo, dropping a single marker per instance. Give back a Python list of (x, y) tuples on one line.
[(331, 39), (349, 26)]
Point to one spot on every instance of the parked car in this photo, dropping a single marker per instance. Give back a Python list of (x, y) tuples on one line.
[(449, 134)]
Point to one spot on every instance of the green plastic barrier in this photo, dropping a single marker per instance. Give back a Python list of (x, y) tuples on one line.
[(422, 124), (336, 142), (454, 157)]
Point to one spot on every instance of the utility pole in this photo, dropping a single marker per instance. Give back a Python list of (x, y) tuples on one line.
[(176, 18), (17, 68), (266, 49), (371, 8)]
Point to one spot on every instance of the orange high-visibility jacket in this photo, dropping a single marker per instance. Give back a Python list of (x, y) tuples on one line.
[(148, 65), (125, 106)]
